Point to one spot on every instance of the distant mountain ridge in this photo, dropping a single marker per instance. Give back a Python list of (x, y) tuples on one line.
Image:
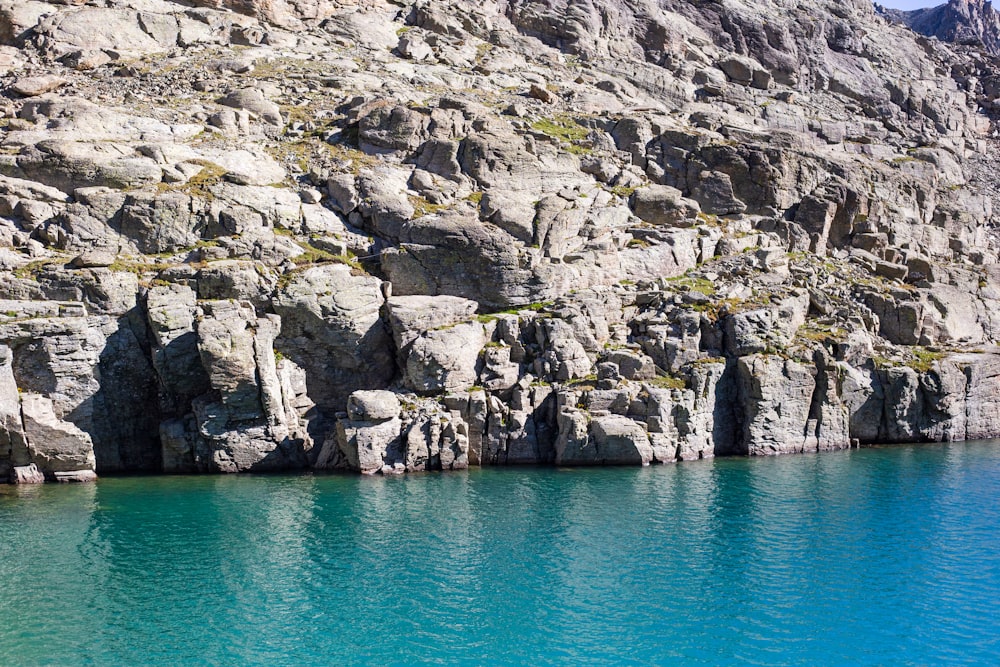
[(969, 22)]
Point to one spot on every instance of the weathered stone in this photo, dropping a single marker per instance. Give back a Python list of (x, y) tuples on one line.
[(370, 446), (332, 327), (373, 406), (777, 398), (714, 193), (54, 445), (33, 86), (89, 260), (663, 205), (29, 474), (659, 224), (609, 440), (254, 101), (13, 446), (620, 441), (446, 359), (411, 316)]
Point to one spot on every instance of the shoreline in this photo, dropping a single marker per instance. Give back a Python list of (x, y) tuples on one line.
[(545, 467)]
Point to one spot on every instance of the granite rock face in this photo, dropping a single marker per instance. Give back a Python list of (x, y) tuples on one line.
[(964, 22), (395, 237)]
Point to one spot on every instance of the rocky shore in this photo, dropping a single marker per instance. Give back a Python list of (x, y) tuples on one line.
[(390, 237)]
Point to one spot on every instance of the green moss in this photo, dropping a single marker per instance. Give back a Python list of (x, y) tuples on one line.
[(667, 382), (924, 359), (534, 307), (565, 130), (483, 49), (920, 359), (313, 255), (137, 267), (200, 184), (694, 284), (819, 332), (708, 360), (588, 383), (475, 198), (709, 219), (486, 318), (32, 270), (622, 191), (422, 207), (883, 362)]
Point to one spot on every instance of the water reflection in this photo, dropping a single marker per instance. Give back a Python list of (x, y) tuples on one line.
[(53, 577), (874, 556)]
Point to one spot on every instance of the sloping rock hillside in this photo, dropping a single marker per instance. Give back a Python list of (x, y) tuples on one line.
[(968, 22), (423, 235)]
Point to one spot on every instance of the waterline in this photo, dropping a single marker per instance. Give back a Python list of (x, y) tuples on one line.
[(878, 556)]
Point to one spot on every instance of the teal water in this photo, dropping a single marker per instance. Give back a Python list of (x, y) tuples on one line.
[(884, 556)]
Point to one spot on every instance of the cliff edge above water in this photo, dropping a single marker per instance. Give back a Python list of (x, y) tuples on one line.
[(405, 236)]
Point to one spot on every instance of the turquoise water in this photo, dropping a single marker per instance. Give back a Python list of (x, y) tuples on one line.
[(884, 556)]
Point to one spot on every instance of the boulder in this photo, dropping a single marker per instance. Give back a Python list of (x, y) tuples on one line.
[(331, 326), (714, 193), (373, 406), (371, 446), (447, 359), (412, 316), (606, 440), (776, 395), (29, 474), (620, 441), (13, 446), (124, 31), (246, 422), (254, 101), (664, 205), (33, 86), (54, 445)]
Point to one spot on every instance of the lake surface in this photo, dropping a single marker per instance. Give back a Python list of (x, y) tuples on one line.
[(886, 556)]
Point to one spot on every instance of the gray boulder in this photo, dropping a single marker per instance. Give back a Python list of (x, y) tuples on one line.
[(607, 440), (664, 205), (373, 406), (254, 101), (56, 447), (332, 327), (447, 359)]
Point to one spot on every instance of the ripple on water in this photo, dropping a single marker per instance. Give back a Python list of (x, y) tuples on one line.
[(884, 556)]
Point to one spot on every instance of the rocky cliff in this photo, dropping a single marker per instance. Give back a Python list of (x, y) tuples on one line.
[(966, 22), (405, 236)]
